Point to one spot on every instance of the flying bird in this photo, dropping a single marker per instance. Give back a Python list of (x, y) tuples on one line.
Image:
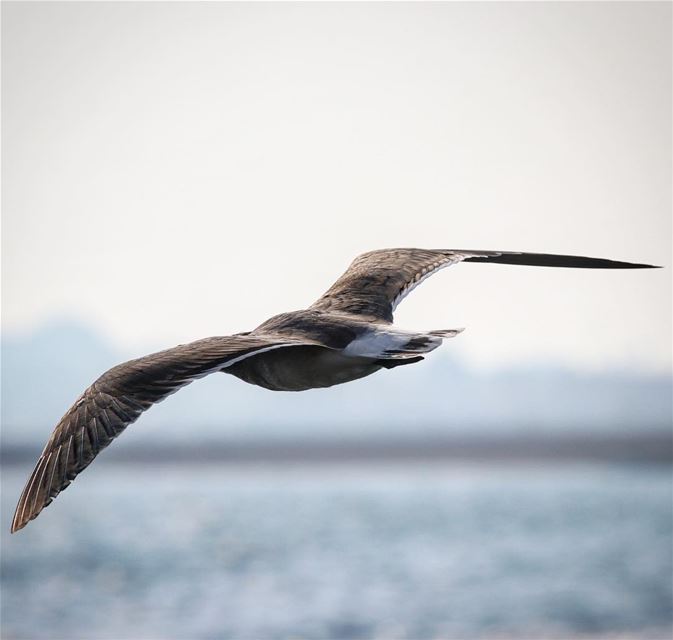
[(346, 334)]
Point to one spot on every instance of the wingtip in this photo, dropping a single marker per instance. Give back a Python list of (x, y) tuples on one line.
[(552, 260), (21, 517), (19, 520), (635, 265), (17, 525), (20, 523)]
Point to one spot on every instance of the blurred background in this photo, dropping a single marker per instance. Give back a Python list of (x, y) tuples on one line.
[(177, 170)]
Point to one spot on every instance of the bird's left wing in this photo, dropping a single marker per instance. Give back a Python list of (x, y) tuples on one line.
[(118, 398), (376, 282)]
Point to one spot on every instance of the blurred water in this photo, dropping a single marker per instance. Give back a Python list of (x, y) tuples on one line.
[(344, 552)]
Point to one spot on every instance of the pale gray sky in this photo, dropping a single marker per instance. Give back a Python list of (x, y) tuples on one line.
[(173, 171)]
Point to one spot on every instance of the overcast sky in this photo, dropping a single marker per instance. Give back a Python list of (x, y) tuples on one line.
[(173, 171)]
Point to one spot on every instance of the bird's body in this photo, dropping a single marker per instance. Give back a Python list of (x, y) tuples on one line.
[(334, 348), (301, 368), (345, 335)]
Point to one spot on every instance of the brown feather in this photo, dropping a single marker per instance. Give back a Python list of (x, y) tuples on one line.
[(376, 281), (117, 399)]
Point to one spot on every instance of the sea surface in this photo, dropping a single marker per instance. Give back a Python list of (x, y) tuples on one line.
[(344, 551)]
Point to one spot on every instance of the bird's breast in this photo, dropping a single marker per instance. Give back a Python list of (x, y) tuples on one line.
[(300, 368)]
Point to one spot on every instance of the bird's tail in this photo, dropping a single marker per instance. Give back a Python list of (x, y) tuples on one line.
[(420, 343), (390, 342), (446, 333)]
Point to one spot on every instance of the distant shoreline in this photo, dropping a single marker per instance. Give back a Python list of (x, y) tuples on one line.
[(650, 447)]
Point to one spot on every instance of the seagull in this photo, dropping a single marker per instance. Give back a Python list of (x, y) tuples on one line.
[(345, 335)]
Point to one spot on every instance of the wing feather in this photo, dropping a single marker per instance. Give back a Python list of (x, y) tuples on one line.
[(377, 281), (117, 399)]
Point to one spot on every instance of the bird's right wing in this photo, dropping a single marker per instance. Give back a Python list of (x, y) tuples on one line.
[(118, 398)]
